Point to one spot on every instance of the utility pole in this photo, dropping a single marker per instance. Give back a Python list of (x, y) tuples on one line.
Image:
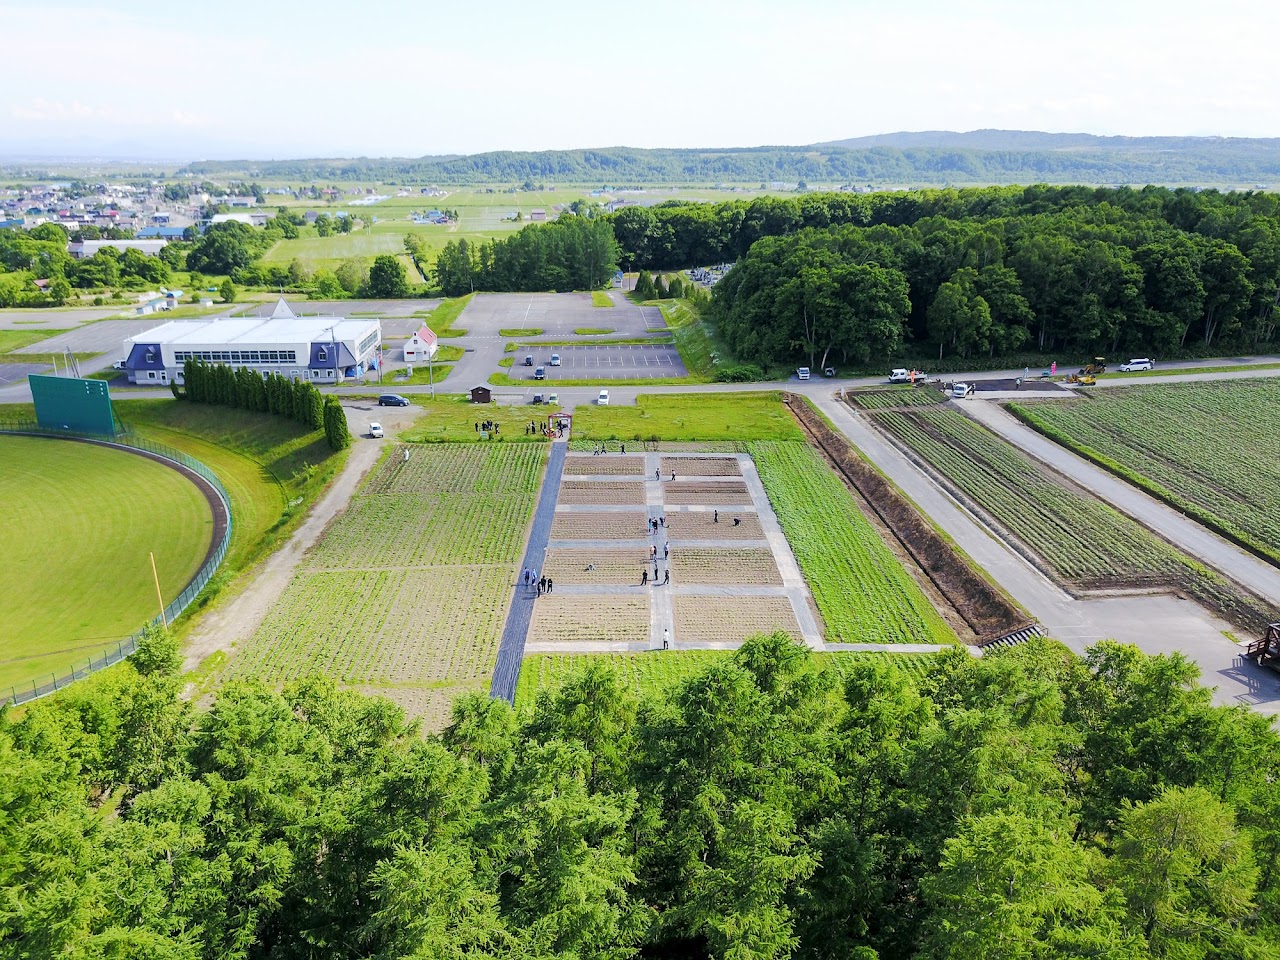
[(159, 597)]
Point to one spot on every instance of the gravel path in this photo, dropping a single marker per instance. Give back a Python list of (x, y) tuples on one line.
[(511, 650)]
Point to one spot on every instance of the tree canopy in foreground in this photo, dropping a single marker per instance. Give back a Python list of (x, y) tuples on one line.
[(1028, 804)]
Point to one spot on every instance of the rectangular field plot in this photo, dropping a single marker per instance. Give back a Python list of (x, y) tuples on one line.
[(578, 619), (701, 525), (428, 627), (604, 465), (702, 466), (462, 468), (612, 525), (716, 619), (412, 530), (709, 492), (619, 567), (750, 566), (602, 492)]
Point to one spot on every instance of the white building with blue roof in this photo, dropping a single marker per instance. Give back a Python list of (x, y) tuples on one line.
[(321, 349)]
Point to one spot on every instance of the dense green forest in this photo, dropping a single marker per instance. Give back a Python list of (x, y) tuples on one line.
[(1027, 804), (977, 272), (1007, 157), (570, 253)]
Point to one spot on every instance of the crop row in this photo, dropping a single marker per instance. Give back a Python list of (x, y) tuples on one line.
[(661, 672), (861, 589), (1209, 447), (1086, 543), (735, 618), (887, 399)]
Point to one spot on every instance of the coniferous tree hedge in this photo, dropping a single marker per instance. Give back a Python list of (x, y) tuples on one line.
[(245, 389)]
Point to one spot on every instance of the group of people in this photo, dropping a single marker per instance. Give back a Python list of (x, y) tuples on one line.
[(600, 449), (544, 584), (488, 426), (666, 575), (656, 522), (715, 518), (657, 475)]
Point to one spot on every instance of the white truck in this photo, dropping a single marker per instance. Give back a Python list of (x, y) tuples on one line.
[(903, 375), (802, 373), (961, 390)]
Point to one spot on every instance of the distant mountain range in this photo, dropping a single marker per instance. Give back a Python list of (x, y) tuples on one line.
[(928, 158)]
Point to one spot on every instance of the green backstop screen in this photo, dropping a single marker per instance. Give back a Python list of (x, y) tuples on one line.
[(71, 405)]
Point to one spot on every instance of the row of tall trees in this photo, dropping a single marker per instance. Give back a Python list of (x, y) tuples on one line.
[(1063, 270), (1027, 804), (246, 389), (570, 253)]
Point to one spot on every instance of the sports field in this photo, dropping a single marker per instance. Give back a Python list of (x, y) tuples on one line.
[(77, 525)]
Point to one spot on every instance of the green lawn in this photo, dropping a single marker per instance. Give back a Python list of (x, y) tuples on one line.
[(690, 417), (78, 525), (593, 331), (521, 332), (601, 299), (453, 419), (440, 320), (423, 375), (17, 339)]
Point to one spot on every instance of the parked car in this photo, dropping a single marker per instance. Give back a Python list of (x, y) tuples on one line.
[(802, 373), (603, 399), (392, 400), (375, 430), (555, 359), (528, 360), (540, 373), (537, 398), (1141, 363), (553, 398), (829, 372)]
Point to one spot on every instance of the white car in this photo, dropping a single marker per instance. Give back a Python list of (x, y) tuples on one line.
[(603, 399), (375, 430), (555, 359), (1141, 363)]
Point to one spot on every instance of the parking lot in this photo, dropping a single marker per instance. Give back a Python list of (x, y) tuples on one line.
[(625, 361), (17, 372), (106, 336)]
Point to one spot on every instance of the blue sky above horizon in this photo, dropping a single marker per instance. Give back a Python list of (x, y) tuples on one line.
[(397, 78)]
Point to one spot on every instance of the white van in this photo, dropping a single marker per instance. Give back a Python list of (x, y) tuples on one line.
[(803, 373)]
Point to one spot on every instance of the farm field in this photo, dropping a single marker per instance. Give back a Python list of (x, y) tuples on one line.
[(895, 397), (406, 595), (1212, 449), (77, 526), (861, 589), (1084, 543), (661, 672), (454, 419)]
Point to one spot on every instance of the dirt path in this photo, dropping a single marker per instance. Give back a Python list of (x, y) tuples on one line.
[(237, 620)]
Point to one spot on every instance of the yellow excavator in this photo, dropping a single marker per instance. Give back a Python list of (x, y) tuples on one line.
[(1098, 366)]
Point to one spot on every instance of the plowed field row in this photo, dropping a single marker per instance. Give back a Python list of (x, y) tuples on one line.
[(569, 620), (623, 466), (701, 466), (715, 619)]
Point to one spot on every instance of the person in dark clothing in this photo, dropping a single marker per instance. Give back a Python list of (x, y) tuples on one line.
[(666, 576), (551, 584), (736, 521), (715, 516), (624, 447), (644, 577), (657, 475)]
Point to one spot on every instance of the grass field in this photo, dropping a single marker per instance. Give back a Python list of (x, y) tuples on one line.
[(407, 593), (593, 331), (453, 419), (440, 320), (78, 524), (1187, 443), (658, 673), (690, 417), (11, 340), (861, 588), (601, 299), (1085, 543)]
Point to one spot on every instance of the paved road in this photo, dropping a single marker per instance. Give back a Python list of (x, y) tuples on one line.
[(511, 650), (1155, 624)]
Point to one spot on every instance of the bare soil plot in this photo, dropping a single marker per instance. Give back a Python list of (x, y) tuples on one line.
[(702, 466), (599, 526), (618, 567), (604, 618), (602, 492), (702, 526), (716, 619), (724, 567), (605, 465), (705, 492)]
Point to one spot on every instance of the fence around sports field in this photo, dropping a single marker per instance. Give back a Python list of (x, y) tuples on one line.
[(43, 687)]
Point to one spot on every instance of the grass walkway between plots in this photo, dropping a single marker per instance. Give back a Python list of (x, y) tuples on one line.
[(440, 320), (658, 672), (1211, 450), (861, 588), (601, 299), (690, 417), (77, 526)]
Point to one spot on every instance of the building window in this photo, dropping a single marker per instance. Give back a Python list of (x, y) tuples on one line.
[(329, 373), (151, 374)]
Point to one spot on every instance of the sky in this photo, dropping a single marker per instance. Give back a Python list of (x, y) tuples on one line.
[(281, 79)]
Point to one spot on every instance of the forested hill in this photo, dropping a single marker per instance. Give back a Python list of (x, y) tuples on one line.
[(998, 157)]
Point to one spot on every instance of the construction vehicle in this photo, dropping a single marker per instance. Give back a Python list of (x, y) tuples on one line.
[(1084, 380), (1098, 366)]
